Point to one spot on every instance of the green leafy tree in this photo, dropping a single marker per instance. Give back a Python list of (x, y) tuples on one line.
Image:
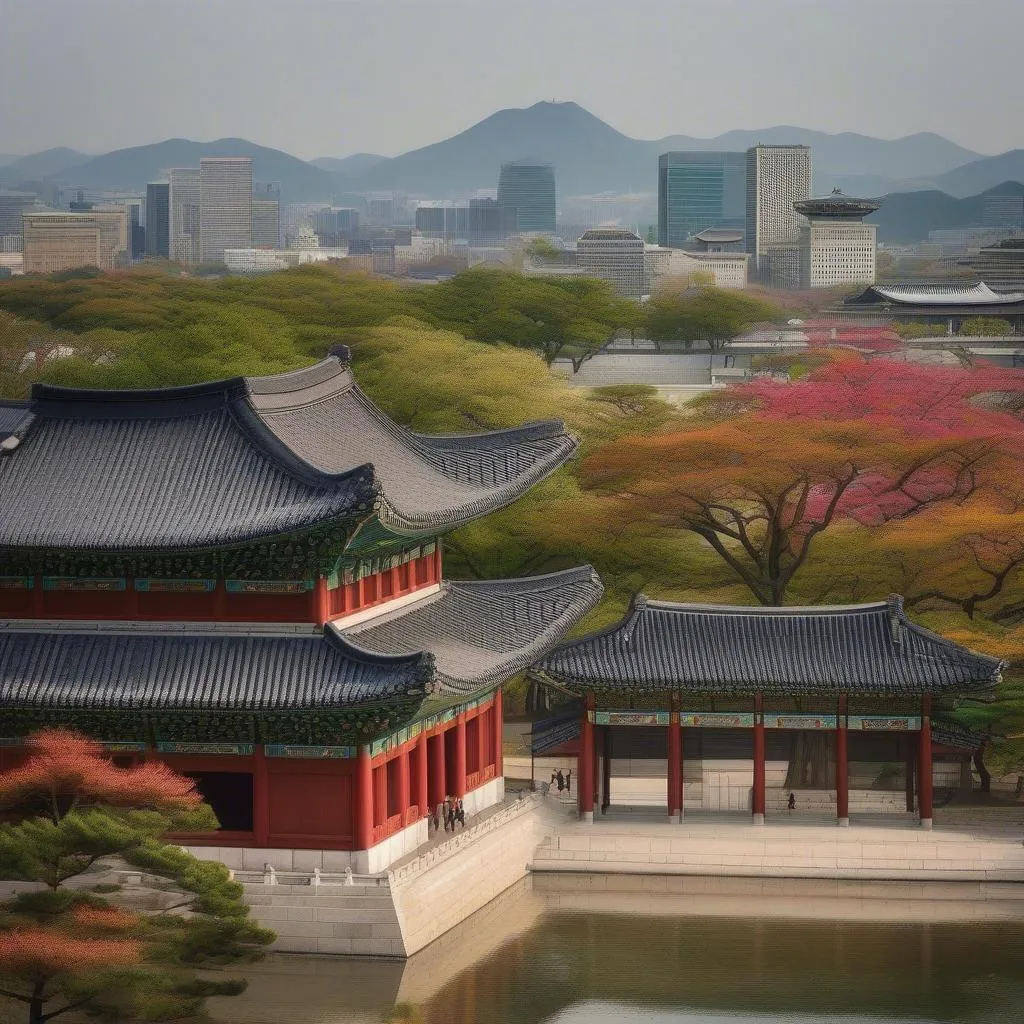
[(62, 948), (985, 327), (713, 316)]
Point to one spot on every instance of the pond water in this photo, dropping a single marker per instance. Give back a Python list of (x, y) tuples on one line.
[(534, 958)]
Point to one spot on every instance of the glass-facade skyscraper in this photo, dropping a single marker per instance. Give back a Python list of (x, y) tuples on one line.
[(158, 219), (697, 191), (528, 189)]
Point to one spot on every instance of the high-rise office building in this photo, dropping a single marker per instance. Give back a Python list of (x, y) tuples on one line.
[(698, 191), (266, 216), (442, 220), (837, 247), (334, 226), (526, 192), (225, 206), (158, 219), (57, 240), (489, 223), (183, 199), (777, 177), (1003, 211), (135, 217), (13, 205), (617, 256)]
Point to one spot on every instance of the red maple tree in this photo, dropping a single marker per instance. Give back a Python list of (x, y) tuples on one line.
[(66, 771)]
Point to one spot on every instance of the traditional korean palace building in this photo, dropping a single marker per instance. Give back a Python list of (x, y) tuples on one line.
[(244, 579), (945, 305), (749, 680)]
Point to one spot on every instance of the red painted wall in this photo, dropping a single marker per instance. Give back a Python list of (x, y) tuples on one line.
[(218, 605), (349, 598), (311, 803)]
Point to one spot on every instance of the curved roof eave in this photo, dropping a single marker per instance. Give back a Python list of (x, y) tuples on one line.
[(483, 632), (609, 670)]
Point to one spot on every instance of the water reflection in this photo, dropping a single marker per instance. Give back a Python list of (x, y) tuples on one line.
[(521, 962)]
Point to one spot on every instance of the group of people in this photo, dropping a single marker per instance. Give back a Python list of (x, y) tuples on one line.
[(563, 782), (451, 812)]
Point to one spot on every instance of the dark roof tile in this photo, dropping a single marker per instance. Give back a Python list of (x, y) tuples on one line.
[(871, 648)]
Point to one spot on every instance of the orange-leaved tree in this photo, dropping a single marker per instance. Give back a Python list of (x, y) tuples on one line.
[(760, 489), (69, 809)]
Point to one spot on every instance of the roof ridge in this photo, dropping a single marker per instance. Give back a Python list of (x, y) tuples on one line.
[(753, 609), (575, 573), (55, 401)]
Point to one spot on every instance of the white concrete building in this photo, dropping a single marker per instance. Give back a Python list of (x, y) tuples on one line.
[(777, 177), (837, 247), (225, 206), (727, 269), (616, 256)]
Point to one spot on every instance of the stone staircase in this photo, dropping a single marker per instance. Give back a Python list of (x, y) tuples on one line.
[(328, 918)]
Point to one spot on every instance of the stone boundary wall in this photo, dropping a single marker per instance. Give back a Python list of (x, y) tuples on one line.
[(441, 888)]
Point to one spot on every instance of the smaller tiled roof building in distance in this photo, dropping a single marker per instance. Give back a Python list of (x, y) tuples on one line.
[(746, 683), (946, 306), (244, 579)]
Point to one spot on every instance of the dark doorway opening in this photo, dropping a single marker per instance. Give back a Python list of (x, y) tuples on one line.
[(230, 795)]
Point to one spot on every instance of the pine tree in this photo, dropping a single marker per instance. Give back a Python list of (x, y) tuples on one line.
[(62, 948)]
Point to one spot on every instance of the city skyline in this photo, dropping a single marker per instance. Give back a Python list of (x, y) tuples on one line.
[(336, 111)]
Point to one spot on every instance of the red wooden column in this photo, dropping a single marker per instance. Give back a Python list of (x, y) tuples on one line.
[(322, 601), (438, 784), (606, 767), (422, 796), (260, 796), (364, 800), (911, 781), (924, 768), (674, 764), (585, 768), (458, 784), (499, 734), (842, 767), (404, 787), (759, 759), (481, 741)]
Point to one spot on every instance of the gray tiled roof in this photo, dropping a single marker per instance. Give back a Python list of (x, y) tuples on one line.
[(870, 648), (481, 633), (465, 638), (427, 482), (237, 460), (176, 665)]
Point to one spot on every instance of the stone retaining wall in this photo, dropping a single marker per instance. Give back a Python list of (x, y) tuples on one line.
[(448, 883)]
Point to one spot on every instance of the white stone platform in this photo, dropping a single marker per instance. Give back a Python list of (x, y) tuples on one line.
[(964, 846)]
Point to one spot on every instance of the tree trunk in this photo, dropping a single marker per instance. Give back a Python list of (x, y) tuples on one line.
[(983, 772)]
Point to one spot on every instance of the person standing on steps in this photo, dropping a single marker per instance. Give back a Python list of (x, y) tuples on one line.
[(568, 781)]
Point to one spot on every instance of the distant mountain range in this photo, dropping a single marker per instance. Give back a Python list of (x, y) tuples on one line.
[(131, 169), (590, 156), (930, 182), (354, 164), (907, 217), (41, 165)]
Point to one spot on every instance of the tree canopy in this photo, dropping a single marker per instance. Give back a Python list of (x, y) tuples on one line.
[(64, 947)]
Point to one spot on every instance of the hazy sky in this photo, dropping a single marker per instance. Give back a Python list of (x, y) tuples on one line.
[(333, 77)]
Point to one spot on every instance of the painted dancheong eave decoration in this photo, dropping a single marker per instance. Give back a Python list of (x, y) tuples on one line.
[(685, 649), (290, 468), (295, 684)]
